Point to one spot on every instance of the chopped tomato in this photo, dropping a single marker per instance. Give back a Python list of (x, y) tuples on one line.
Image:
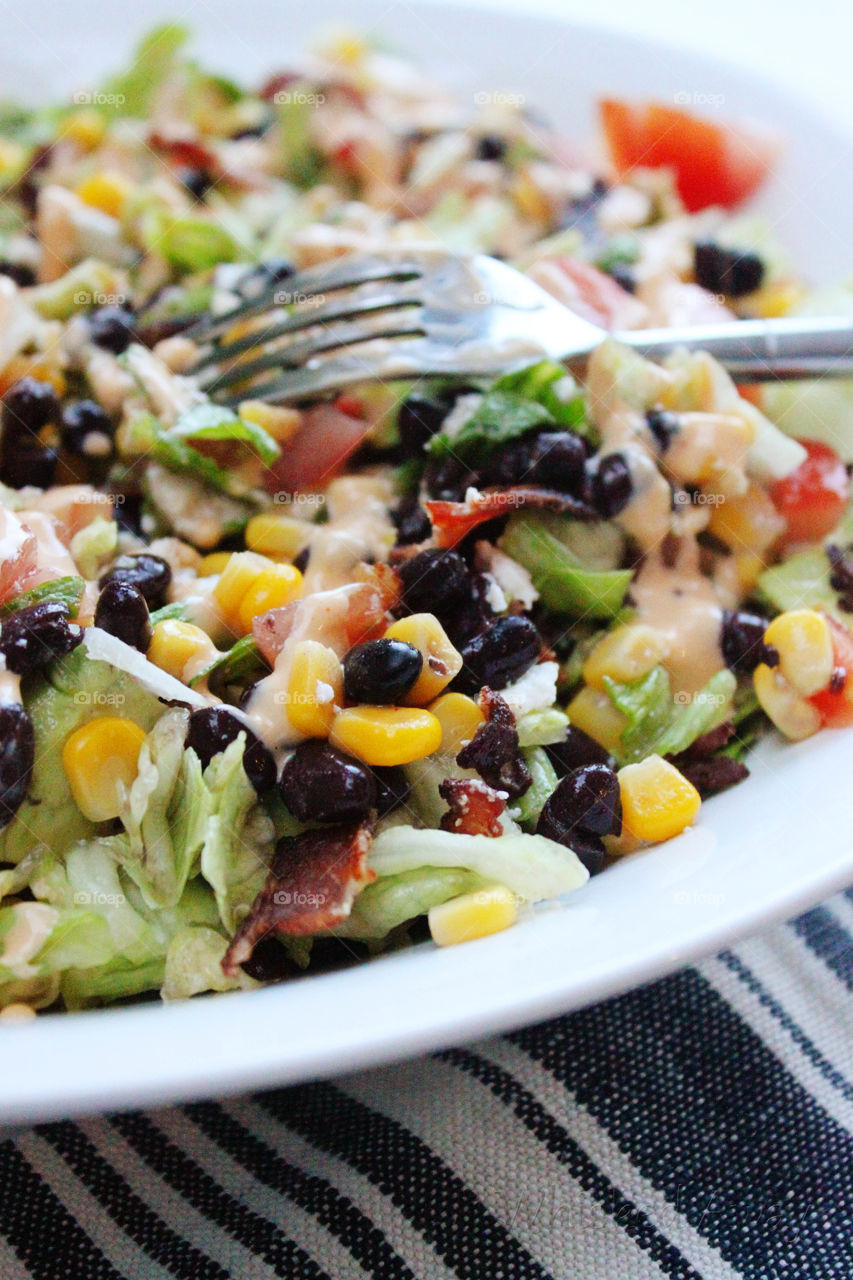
[(835, 704), (712, 163), (753, 392), (813, 497), (318, 451), (588, 292)]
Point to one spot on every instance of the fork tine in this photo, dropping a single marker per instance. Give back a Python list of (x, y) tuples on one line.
[(303, 318), (310, 283), (329, 375), (298, 354)]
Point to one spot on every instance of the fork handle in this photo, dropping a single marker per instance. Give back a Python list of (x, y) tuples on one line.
[(759, 350)]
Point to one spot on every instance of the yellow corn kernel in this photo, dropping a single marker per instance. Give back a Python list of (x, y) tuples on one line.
[(180, 648), (104, 191), (594, 713), (236, 578), (473, 915), (529, 198), (625, 654), (804, 643), (31, 367), (12, 156), (213, 563), (272, 589), (278, 420), (100, 762), (315, 688), (658, 802), (386, 735), (86, 127), (777, 299), (791, 713), (441, 661), (276, 536), (459, 717), (747, 523)]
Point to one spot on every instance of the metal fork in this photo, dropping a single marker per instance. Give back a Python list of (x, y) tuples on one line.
[(411, 314)]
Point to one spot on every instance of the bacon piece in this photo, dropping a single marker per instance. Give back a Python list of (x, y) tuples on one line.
[(369, 603), (272, 628), (17, 573), (474, 809), (451, 521), (312, 884), (494, 751)]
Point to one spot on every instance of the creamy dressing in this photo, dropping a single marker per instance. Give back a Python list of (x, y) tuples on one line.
[(10, 687), (359, 528), (686, 608), (32, 926)]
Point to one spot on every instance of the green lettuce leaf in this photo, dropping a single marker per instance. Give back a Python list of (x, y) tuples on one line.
[(564, 585), (173, 446), (659, 724), (392, 900), (239, 839), (543, 780), (67, 591), (155, 58), (194, 964)]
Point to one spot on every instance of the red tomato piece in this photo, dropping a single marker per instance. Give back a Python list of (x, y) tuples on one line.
[(318, 451), (712, 163), (813, 497), (835, 704)]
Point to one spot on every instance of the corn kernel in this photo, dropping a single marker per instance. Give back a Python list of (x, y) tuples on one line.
[(459, 717), (180, 648), (749, 522), (32, 367), (315, 688), (100, 762), (86, 127), (626, 654), (272, 589), (213, 563), (276, 536), (777, 299), (104, 191), (791, 713), (278, 420), (658, 802), (594, 713), (442, 662), (386, 735), (529, 198), (804, 643), (473, 915), (236, 578), (12, 156)]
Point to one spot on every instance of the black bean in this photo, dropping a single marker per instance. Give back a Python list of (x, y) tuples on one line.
[(611, 485), (21, 466), (499, 655), (742, 640), (624, 276), (588, 847), (196, 181), (663, 425), (411, 521), (434, 582), (392, 787), (129, 513), (37, 635), (320, 784), (490, 147), (121, 610), (587, 799), (17, 756), (87, 429), (23, 275), (149, 574), (576, 750), (28, 405), (447, 479), (734, 272), (381, 671), (512, 465), (300, 562), (558, 461), (111, 328), (418, 420), (269, 962), (213, 729), (474, 615)]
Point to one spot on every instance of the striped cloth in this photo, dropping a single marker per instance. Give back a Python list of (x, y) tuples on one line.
[(699, 1127)]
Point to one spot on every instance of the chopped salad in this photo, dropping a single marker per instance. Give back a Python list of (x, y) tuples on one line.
[(280, 687)]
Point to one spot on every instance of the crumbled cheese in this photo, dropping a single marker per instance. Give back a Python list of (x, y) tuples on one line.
[(495, 598), (535, 689)]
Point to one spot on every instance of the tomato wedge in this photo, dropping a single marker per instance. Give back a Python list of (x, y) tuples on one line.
[(813, 497), (712, 163), (319, 449)]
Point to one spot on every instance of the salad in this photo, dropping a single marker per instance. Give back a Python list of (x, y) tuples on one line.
[(283, 687)]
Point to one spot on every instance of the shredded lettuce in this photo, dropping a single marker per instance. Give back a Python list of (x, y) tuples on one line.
[(154, 60), (542, 727), (67, 591), (194, 964), (531, 866), (659, 724), (193, 243), (564, 585), (242, 664), (76, 290), (543, 780), (95, 544), (394, 899), (173, 446)]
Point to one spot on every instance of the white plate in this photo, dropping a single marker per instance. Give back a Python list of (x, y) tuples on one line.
[(763, 851)]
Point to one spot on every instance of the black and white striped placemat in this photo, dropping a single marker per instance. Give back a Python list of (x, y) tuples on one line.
[(699, 1127)]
